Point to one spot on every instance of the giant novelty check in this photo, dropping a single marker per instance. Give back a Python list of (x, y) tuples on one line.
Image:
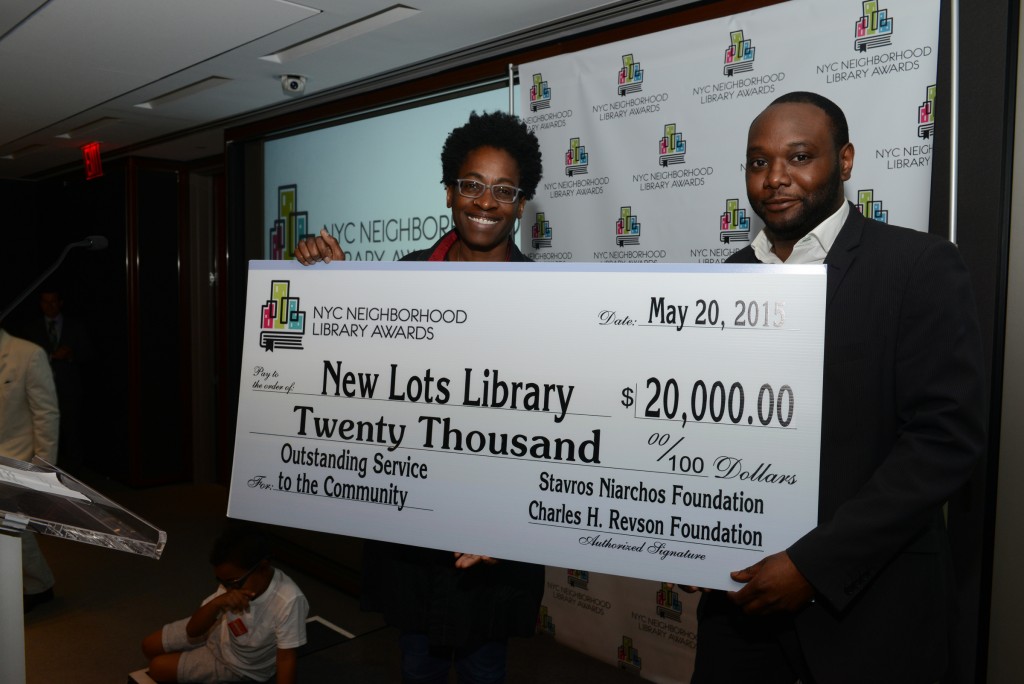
[(656, 421)]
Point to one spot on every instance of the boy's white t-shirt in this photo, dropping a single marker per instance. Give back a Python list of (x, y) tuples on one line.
[(247, 642)]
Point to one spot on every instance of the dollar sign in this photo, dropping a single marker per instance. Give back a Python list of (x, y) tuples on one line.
[(627, 397)]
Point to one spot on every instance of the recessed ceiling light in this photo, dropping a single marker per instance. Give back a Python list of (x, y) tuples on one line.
[(21, 152), (181, 93), (357, 28), (80, 131)]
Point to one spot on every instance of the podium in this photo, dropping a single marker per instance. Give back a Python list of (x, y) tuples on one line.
[(38, 497)]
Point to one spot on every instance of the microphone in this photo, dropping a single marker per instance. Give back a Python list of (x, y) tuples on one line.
[(92, 243)]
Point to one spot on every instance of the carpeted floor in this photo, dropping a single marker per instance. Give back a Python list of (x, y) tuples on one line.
[(107, 601)]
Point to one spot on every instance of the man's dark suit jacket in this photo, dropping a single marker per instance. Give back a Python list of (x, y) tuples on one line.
[(69, 376), (903, 425), (66, 373)]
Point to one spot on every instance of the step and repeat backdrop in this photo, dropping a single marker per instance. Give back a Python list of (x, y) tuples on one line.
[(644, 140), (644, 144)]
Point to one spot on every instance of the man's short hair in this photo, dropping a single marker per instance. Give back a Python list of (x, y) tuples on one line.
[(837, 120), (499, 130), (241, 545)]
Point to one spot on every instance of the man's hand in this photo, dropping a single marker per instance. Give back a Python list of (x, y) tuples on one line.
[(468, 560), (62, 353), (693, 589), (688, 588), (773, 585), (323, 247)]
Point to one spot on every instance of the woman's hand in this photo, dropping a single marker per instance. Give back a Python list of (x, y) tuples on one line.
[(323, 247)]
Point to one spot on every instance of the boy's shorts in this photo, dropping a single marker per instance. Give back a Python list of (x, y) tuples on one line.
[(197, 662)]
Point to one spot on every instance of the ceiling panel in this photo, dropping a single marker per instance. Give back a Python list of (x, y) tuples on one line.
[(94, 50), (65, 63)]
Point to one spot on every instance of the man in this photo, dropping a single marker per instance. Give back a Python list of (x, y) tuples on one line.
[(68, 343), (29, 424), (864, 596)]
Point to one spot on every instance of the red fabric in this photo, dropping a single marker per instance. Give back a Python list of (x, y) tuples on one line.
[(441, 251)]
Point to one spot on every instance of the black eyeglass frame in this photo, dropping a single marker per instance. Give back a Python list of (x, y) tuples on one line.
[(239, 582)]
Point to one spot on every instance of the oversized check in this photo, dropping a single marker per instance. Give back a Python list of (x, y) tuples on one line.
[(657, 421)]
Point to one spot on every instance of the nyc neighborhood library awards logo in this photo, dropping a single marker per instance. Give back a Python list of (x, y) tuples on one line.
[(627, 228), (576, 158), (631, 76), (739, 56), (870, 207), (900, 154), (926, 116), (290, 226), (541, 235), (667, 624), (627, 656), (542, 116), (545, 623), (540, 94), (282, 323), (669, 605), (734, 224), (671, 152), (873, 29), (541, 232), (671, 147), (579, 579), (629, 82), (739, 59), (576, 594)]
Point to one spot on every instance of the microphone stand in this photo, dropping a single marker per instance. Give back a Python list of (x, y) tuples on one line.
[(93, 242)]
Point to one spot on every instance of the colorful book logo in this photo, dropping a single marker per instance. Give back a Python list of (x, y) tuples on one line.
[(870, 207), (290, 226), (541, 232), (631, 76), (627, 656), (580, 579), (926, 115), (669, 605), (627, 228), (671, 147), (540, 94), (734, 224), (873, 29), (576, 158), (739, 56), (282, 323), (545, 624)]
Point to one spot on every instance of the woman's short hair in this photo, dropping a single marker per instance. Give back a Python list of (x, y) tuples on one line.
[(499, 130)]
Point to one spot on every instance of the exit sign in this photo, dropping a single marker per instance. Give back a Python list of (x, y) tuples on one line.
[(93, 163)]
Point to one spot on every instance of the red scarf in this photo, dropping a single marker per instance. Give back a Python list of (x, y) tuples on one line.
[(440, 252)]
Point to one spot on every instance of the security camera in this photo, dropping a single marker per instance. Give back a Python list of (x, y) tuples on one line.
[(293, 85)]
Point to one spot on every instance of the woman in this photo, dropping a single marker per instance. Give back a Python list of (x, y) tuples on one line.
[(460, 610)]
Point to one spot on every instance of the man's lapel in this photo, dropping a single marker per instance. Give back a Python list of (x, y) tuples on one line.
[(844, 251)]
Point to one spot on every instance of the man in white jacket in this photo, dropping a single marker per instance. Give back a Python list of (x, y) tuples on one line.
[(29, 425)]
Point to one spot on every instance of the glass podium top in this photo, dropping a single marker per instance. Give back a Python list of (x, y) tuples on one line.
[(42, 498)]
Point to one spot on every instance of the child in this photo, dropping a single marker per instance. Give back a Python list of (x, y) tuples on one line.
[(244, 631)]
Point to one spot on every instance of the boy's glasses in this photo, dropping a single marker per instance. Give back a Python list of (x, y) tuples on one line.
[(239, 582)]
